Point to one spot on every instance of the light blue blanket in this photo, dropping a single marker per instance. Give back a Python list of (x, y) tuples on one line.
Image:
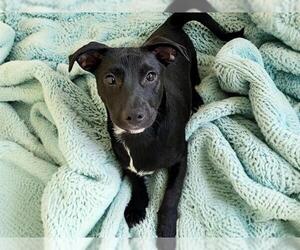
[(59, 177)]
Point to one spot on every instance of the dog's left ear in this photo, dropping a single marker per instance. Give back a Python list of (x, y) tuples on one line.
[(165, 49), (89, 56)]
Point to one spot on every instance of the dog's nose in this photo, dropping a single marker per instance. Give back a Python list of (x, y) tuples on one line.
[(134, 117), (137, 117)]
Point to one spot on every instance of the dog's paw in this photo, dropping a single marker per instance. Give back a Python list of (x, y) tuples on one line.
[(134, 215), (167, 230), (166, 227)]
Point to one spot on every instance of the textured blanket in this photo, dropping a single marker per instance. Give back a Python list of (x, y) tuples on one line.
[(59, 177), (138, 5), (83, 5)]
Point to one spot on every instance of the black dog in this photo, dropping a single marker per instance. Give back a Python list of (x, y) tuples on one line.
[(148, 93)]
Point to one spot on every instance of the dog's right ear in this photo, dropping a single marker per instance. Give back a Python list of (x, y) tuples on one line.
[(89, 56)]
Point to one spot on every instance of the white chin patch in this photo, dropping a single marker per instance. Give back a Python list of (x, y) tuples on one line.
[(137, 131), (119, 131)]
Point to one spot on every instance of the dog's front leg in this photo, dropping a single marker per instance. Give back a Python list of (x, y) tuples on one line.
[(167, 214), (135, 211)]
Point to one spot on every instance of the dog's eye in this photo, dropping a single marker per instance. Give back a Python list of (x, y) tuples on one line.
[(151, 76), (110, 79)]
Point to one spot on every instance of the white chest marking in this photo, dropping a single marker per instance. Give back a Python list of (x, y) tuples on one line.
[(132, 168), (118, 131)]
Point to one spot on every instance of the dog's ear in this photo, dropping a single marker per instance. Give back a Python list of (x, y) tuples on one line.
[(165, 49), (89, 56)]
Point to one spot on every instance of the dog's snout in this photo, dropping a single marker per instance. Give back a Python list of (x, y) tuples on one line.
[(135, 115)]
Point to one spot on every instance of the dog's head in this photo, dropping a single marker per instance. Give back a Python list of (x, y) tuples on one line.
[(129, 80)]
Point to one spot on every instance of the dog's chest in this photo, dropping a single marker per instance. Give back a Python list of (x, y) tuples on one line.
[(143, 154), (131, 166), (141, 158)]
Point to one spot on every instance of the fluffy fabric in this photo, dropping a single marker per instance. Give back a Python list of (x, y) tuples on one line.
[(256, 5), (59, 177), (83, 6), (138, 6), (6, 40)]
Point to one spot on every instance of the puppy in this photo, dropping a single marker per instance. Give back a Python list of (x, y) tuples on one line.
[(149, 94)]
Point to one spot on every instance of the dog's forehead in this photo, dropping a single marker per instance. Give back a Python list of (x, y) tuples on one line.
[(132, 55)]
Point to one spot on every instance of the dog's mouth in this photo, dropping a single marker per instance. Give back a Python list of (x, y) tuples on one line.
[(119, 129), (136, 131)]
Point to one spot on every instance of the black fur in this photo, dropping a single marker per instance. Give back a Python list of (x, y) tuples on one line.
[(160, 107)]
